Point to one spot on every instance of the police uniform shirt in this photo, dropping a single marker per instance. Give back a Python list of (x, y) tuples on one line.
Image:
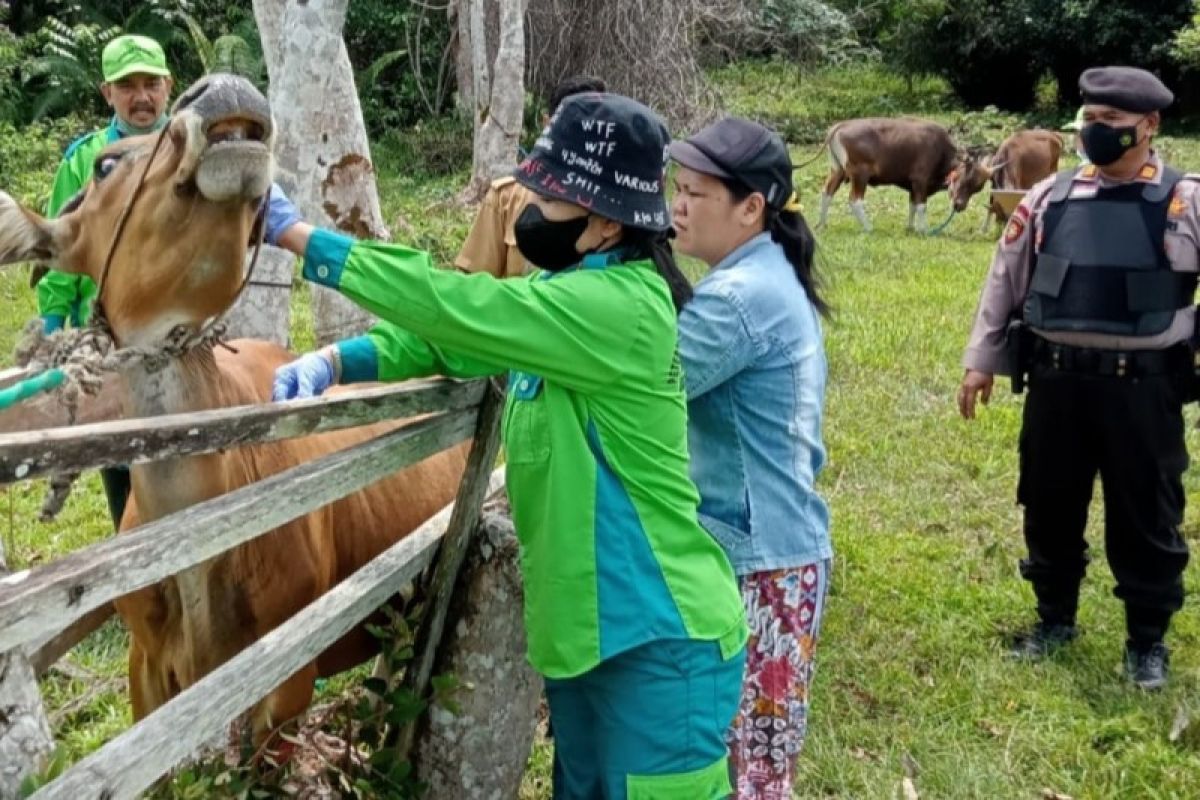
[(491, 246), (1009, 275)]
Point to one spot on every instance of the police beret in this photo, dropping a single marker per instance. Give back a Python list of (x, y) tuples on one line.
[(1126, 88)]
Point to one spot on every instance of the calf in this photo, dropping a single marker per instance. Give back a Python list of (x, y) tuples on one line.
[(1021, 161)]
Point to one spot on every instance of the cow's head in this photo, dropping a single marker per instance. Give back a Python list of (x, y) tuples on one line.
[(968, 179), (179, 258)]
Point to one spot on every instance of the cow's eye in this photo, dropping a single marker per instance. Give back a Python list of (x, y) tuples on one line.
[(104, 166)]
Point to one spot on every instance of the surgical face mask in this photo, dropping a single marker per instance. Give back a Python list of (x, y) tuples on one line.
[(546, 243), (129, 129), (1105, 144)]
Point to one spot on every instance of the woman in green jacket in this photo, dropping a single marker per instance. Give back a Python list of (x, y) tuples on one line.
[(632, 611)]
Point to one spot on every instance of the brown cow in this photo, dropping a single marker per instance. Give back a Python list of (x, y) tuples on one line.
[(1021, 161), (179, 262), (914, 154)]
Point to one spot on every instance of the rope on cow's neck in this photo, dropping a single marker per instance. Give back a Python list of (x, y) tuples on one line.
[(82, 356), (938, 230)]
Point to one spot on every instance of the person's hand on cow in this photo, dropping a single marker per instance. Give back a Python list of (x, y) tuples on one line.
[(308, 376), (975, 384)]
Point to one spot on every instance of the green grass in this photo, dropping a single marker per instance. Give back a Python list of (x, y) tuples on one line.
[(925, 524)]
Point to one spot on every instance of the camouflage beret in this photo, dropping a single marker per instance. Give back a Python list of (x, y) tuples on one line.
[(1126, 88)]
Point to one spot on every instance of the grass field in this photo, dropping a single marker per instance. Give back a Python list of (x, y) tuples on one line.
[(911, 676)]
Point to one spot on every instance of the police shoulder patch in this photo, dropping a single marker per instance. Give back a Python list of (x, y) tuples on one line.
[(1016, 225), (1178, 206)]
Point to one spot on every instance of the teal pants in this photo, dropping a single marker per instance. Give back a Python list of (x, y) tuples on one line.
[(648, 724)]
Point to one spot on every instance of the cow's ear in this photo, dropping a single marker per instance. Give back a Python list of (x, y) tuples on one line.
[(950, 176), (26, 236)]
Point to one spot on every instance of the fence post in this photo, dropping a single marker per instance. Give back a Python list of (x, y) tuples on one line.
[(25, 738), (452, 552)]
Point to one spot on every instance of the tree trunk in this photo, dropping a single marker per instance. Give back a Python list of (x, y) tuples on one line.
[(479, 752), (324, 159), (25, 738), (460, 18), (499, 90), (264, 309)]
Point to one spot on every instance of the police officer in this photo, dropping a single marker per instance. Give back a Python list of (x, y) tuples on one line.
[(1098, 268)]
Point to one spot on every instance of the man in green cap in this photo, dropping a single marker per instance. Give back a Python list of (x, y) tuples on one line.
[(137, 85)]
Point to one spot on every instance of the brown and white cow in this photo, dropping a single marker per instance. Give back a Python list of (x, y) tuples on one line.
[(914, 154), (1021, 161), (179, 262)]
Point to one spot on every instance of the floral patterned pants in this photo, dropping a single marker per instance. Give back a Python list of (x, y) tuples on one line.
[(784, 609)]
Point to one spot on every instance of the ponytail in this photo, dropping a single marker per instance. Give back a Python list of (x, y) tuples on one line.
[(656, 246), (790, 231)]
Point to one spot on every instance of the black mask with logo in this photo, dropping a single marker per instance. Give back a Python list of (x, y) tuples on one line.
[(1105, 144), (547, 243)]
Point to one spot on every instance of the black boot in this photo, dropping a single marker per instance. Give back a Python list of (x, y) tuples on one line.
[(1146, 664), (1042, 640)]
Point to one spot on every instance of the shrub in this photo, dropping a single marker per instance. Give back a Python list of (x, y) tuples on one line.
[(994, 51), (30, 154)]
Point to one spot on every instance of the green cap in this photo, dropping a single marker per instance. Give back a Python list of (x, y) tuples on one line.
[(128, 55), (1077, 123)]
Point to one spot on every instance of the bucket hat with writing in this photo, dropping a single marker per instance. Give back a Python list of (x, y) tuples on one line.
[(606, 153)]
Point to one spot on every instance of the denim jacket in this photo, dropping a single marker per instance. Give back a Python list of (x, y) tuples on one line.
[(754, 366)]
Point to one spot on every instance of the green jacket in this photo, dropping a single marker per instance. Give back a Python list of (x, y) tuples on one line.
[(595, 431), (63, 294)]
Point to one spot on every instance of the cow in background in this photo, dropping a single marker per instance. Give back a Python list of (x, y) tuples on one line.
[(914, 154), (1021, 161)]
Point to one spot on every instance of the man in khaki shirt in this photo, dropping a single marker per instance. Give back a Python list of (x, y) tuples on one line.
[(1099, 264), (491, 246)]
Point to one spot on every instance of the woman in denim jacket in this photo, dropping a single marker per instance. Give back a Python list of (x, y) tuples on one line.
[(754, 366)]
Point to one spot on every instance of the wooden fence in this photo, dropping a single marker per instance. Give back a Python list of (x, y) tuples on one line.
[(37, 604)]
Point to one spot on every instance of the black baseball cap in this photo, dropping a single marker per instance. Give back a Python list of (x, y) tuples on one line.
[(606, 153), (741, 150)]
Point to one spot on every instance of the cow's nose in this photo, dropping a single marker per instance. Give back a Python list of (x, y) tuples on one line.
[(221, 96)]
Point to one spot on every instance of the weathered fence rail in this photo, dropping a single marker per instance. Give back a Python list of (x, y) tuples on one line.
[(106, 444), (38, 603)]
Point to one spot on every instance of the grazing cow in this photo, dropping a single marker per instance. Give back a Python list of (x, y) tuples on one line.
[(914, 154), (179, 262), (1021, 161)]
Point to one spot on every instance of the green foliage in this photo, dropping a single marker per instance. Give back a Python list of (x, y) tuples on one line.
[(805, 32), (30, 154), (1186, 47), (438, 146), (13, 53), (56, 765), (802, 106), (400, 51), (993, 51), (68, 71)]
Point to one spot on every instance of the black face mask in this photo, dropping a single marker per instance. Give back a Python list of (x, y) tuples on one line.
[(1105, 144), (547, 244)]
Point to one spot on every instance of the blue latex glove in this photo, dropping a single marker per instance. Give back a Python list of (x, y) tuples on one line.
[(281, 215), (308, 376), (52, 323)]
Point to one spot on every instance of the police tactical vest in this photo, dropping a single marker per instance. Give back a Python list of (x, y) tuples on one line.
[(1102, 266)]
